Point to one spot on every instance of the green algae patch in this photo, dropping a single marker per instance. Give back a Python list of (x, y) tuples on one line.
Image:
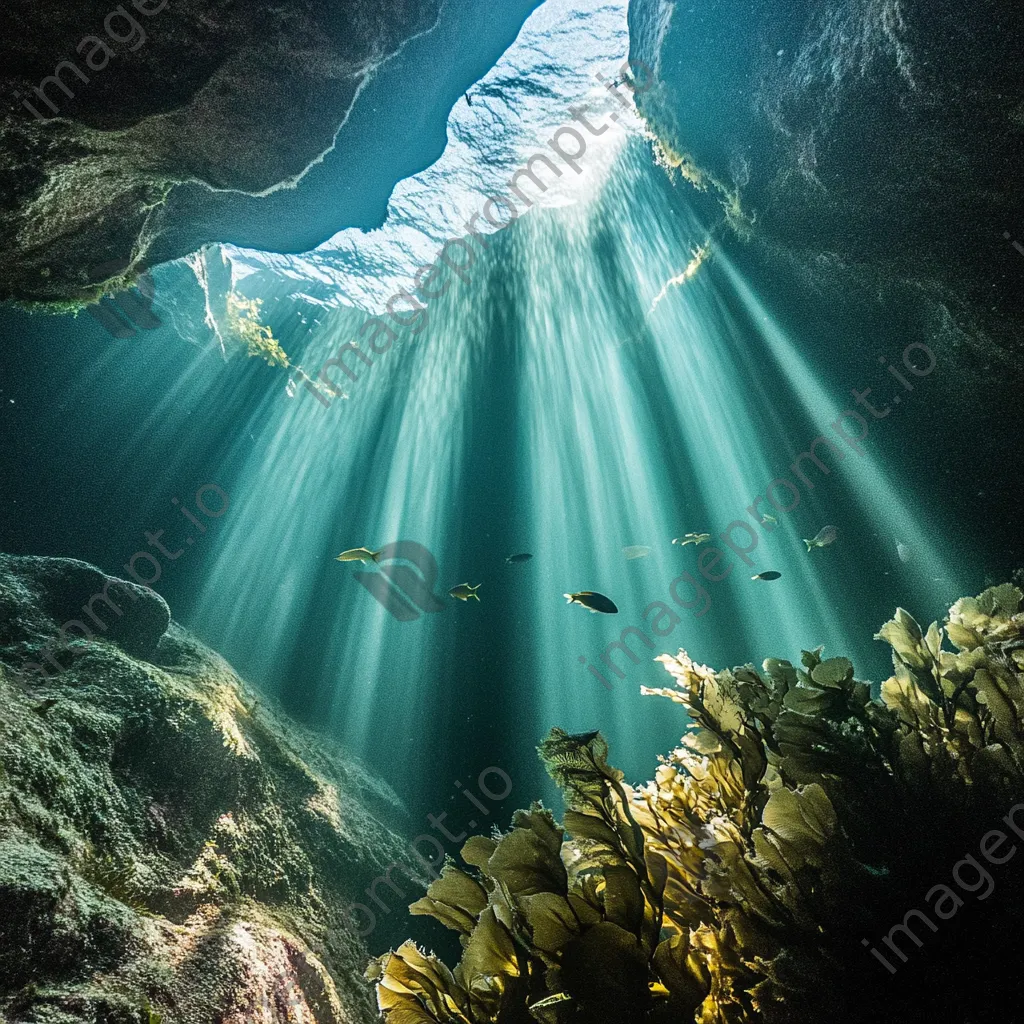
[(171, 847)]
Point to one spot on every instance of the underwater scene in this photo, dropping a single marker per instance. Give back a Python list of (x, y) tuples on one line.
[(512, 513)]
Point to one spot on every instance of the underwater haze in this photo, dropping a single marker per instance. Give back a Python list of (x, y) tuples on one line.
[(574, 325)]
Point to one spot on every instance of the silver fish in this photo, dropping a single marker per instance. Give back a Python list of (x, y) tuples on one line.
[(692, 538), (636, 551), (824, 538)]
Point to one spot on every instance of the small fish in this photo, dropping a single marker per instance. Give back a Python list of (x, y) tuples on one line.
[(768, 577), (636, 551), (358, 555), (594, 602), (517, 559), (464, 592), (825, 537), (766, 519), (904, 552), (692, 538)]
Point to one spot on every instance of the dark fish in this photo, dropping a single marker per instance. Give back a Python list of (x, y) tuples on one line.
[(516, 559), (768, 576), (594, 602)]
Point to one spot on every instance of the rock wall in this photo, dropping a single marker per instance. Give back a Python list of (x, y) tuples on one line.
[(171, 848), (870, 138), (125, 101)]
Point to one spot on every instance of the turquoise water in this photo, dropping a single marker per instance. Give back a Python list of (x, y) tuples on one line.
[(612, 371)]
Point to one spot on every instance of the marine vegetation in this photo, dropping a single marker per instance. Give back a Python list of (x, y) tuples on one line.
[(805, 814), (244, 318)]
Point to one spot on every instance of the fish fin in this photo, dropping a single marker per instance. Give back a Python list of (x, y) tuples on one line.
[(474, 595), (375, 555), (810, 546), (568, 598), (755, 577)]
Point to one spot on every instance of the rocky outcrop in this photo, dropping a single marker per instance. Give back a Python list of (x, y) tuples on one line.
[(171, 848), (874, 139), (109, 106)]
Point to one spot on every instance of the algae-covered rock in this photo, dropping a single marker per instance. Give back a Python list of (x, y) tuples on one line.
[(809, 853), (874, 141), (109, 106), (171, 849), (64, 592)]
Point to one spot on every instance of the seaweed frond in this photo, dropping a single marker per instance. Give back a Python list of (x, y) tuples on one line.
[(798, 815)]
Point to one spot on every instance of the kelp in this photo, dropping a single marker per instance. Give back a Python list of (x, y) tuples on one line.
[(800, 817)]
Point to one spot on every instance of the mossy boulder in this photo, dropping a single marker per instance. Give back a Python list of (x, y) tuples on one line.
[(171, 847)]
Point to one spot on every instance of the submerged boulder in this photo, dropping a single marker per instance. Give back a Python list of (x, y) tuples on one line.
[(171, 847), (51, 595)]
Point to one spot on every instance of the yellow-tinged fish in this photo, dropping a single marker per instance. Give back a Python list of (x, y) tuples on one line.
[(358, 555), (465, 592), (766, 519), (692, 538)]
